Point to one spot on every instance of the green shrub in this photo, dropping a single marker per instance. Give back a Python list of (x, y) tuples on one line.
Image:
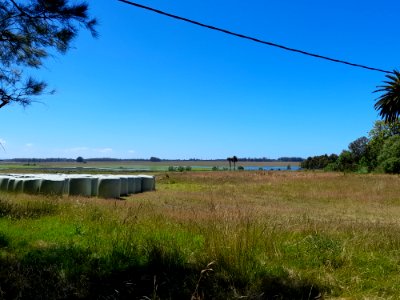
[(389, 158), (391, 165)]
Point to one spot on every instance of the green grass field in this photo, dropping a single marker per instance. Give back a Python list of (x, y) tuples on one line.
[(209, 235)]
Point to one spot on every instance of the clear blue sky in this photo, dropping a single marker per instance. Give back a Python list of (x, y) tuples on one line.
[(154, 86)]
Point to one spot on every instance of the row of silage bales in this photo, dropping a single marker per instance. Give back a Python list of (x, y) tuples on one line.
[(104, 186)]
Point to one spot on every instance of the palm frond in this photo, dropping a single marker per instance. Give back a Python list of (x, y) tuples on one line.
[(388, 104)]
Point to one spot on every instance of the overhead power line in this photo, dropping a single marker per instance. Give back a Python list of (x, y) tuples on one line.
[(254, 39)]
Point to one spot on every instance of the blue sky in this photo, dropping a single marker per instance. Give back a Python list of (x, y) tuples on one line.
[(154, 86)]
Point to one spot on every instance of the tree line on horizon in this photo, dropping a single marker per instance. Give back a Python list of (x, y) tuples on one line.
[(152, 159), (379, 152)]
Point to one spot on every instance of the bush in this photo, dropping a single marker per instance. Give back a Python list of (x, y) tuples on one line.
[(390, 155), (391, 165), (240, 168)]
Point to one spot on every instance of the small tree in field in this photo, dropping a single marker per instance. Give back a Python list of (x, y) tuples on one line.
[(234, 160), (230, 162)]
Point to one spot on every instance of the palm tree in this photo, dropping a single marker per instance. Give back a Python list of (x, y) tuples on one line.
[(234, 159), (388, 104), (230, 162)]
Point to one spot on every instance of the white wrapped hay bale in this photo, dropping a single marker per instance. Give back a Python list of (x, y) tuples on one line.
[(80, 186), (18, 185), (4, 183), (124, 185), (66, 186), (31, 185), (138, 184), (10, 186), (52, 186), (148, 183), (109, 187), (131, 184), (95, 185)]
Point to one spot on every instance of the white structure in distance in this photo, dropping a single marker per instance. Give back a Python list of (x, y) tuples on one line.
[(103, 186)]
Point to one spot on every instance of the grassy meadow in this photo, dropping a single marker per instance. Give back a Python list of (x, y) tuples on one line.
[(209, 235)]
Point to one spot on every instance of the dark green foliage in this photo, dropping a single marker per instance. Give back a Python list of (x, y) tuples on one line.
[(388, 104), (380, 152), (234, 160), (389, 157), (391, 165), (358, 148), (381, 132), (229, 159), (346, 162), (4, 240), (318, 162), (29, 30), (155, 159)]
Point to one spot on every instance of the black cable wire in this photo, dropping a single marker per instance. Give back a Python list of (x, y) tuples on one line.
[(253, 39)]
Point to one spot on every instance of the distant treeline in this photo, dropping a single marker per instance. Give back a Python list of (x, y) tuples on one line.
[(152, 159), (380, 152), (265, 159)]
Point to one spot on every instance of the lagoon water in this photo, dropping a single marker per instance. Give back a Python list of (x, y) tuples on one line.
[(274, 168)]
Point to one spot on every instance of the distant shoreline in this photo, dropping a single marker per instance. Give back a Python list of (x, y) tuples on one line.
[(131, 163)]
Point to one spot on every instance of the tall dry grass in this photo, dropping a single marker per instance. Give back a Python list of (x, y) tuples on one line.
[(271, 235)]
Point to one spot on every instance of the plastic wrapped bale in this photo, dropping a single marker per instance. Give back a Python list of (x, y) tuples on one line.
[(148, 183), (80, 186), (109, 187), (131, 184), (124, 186), (4, 183), (66, 186), (95, 185), (138, 184), (10, 186), (31, 185), (52, 186), (18, 185)]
